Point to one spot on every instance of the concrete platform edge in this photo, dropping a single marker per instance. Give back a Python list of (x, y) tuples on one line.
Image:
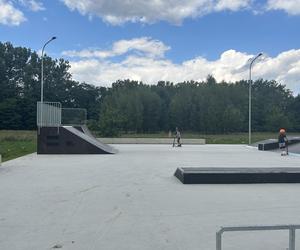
[(150, 141)]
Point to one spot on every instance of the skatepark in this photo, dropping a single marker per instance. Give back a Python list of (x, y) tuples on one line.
[(78, 193), (149, 125), (131, 200)]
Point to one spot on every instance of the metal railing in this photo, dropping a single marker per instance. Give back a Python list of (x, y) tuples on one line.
[(73, 116), (291, 228), (48, 114), (51, 114)]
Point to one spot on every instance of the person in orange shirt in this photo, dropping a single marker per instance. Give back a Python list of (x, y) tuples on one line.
[(283, 142)]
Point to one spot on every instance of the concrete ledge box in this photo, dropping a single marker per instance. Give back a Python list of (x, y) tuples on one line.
[(272, 144), (237, 175)]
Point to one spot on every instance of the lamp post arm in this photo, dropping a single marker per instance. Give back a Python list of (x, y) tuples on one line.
[(46, 45), (254, 59)]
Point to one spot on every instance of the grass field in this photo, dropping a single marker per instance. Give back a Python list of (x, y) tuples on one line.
[(14, 144)]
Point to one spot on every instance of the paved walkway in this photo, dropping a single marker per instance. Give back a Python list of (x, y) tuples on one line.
[(132, 201)]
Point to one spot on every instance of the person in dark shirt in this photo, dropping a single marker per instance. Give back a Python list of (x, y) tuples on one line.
[(178, 137), (283, 142)]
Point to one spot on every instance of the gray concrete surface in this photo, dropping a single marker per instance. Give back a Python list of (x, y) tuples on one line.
[(295, 148), (168, 141), (132, 201)]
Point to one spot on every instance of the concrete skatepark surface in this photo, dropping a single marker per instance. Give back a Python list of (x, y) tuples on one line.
[(132, 201)]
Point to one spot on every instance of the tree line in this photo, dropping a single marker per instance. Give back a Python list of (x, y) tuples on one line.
[(131, 106)]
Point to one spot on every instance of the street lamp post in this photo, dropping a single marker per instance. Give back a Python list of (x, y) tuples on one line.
[(42, 69), (42, 76), (250, 90)]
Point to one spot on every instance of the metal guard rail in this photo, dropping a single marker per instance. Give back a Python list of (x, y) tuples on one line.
[(291, 228)]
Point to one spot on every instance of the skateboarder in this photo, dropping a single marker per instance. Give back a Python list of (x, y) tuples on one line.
[(178, 137), (283, 142)]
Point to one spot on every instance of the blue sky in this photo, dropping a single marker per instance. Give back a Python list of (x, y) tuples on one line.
[(169, 40)]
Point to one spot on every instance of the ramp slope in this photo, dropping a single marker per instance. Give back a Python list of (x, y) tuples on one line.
[(84, 129), (87, 135), (69, 140)]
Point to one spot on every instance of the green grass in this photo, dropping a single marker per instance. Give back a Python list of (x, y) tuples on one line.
[(14, 144)]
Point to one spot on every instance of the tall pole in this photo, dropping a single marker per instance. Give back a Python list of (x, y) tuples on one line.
[(42, 77), (250, 93), (42, 69)]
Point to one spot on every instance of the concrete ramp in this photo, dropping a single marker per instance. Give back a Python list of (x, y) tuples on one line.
[(87, 135), (84, 129), (70, 140)]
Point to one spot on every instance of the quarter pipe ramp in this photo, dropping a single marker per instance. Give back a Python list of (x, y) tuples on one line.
[(70, 140)]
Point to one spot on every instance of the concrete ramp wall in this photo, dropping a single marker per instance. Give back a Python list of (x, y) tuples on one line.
[(87, 136), (69, 140)]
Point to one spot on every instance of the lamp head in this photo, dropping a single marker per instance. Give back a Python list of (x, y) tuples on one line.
[(53, 38)]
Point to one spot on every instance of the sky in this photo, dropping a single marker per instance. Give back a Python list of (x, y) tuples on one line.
[(171, 40)]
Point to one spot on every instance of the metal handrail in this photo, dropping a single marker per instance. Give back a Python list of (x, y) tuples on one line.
[(48, 114), (291, 228), (78, 116), (51, 114)]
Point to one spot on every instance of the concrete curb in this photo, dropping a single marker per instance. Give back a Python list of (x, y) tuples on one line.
[(150, 141)]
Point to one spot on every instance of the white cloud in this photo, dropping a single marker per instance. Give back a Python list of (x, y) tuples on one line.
[(117, 12), (290, 6), (9, 15), (233, 5), (174, 11), (284, 68), (33, 5), (13, 16), (145, 46)]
